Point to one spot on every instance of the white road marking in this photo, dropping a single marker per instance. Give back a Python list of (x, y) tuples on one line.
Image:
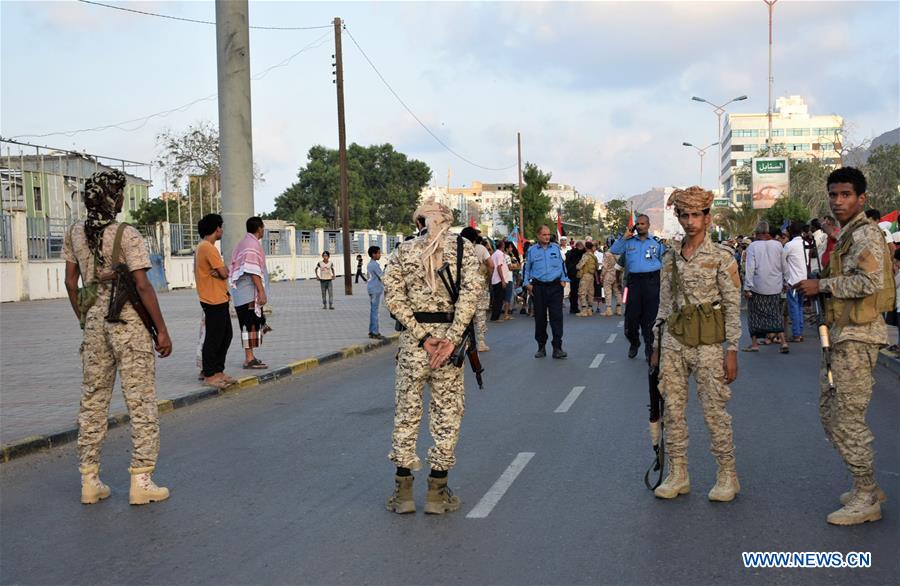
[(496, 492), (597, 360), (620, 324), (570, 398), (611, 339)]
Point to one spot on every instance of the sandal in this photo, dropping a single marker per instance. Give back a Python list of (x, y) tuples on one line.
[(796, 339), (785, 349), (216, 383), (256, 364), (229, 379)]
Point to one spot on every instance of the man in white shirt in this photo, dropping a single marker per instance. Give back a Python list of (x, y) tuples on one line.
[(763, 283), (794, 260), (498, 282)]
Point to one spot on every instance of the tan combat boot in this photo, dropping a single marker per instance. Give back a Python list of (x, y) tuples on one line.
[(92, 490), (619, 309), (862, 506), (440, 499), (727, 485), (143, 490), (677, 481), (655, 427), (845, 498), (401, 502), (608, 312)]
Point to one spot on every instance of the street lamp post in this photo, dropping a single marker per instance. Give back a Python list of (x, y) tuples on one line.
[(702, 153), (719, 110)]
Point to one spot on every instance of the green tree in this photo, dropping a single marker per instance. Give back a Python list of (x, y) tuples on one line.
[(807, 185), (786, 208), (740, 220), (384, 187), (151, 211), (616, 216), (535, 205), (457, 217), (580, 211), (882, 172)]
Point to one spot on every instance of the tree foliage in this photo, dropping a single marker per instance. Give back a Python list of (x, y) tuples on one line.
[(384, 187), (883, 176), (192, 151), (807, 185), (150, 211), (737, 221), (580, 211), (616, 216), (535, 205), (786, 208)]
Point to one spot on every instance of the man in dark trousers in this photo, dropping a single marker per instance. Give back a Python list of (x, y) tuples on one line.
[(545, 277), (643, 254), (573, 257)]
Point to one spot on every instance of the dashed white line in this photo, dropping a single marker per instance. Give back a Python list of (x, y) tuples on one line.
[(597, 360), (620, 324), (496, 492), (611, 339), (570, 398)]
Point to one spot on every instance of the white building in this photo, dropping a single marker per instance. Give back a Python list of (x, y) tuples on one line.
[(802, 135)]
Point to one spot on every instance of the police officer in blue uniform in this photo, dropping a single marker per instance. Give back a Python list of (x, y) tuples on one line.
[(643, 260), (545, 275)]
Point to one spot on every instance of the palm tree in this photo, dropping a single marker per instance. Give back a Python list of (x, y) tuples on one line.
[(737, 220)]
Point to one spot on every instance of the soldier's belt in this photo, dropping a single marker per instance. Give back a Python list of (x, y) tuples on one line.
[(434, 317)]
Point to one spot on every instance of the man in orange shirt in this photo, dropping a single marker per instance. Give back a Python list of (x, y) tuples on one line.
[(212, 289)]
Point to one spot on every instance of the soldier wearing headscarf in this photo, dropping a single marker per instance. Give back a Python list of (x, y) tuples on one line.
[(700, 304), (124, 346), (417, 298)]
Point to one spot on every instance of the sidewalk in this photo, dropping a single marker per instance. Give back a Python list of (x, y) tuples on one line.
[(40, 369)]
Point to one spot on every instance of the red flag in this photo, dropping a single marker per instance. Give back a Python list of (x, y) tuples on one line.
[(631, 219), (891, 217), (472, 222), (559, 227)]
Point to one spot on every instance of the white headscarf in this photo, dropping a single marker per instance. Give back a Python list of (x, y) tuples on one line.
[(438, 218)]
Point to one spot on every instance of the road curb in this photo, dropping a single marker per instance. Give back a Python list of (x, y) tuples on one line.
[(36, 443), (889, 361)]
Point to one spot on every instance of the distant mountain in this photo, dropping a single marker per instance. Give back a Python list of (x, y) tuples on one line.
[(859, 155), (652, 203)]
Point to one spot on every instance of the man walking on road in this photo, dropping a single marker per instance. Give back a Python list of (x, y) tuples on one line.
[(700, 306), (545, 277), (124, 346), (857, 279), (643, 254), (435, 325)]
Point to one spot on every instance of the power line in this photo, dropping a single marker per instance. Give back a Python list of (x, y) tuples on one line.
[(416, 118), (184, 107), (132, 10)]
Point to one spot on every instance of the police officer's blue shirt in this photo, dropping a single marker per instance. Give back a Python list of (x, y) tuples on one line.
[(545, 264), (641, 256)]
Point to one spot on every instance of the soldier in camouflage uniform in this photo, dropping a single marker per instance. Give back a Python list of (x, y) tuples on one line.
[(706, 274), (434, 326), (858, 282), (125, 346), (611, 275)]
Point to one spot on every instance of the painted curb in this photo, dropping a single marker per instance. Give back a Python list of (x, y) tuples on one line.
[(36, 443), (890, 362)]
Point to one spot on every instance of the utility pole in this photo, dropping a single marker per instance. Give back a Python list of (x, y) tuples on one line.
[(342, 156), (235, 135), (521, 209), (771, 5)]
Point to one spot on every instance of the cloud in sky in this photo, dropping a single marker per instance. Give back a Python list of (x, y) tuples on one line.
[(601, 91)]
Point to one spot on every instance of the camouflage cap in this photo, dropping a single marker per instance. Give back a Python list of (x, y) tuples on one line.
[(692, 199)]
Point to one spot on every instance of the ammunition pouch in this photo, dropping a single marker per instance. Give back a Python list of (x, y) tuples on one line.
[(695, 325), (87, 298)]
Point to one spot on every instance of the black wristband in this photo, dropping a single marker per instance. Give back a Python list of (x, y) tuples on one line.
[(423, 340)]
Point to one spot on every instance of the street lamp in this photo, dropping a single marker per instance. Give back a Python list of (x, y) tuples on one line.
[(719, 110), (702, 153)]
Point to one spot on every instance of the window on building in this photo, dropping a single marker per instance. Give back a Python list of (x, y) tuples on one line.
[(777, 132), (38, 200)]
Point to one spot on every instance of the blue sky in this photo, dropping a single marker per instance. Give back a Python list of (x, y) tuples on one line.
[(600, 91)]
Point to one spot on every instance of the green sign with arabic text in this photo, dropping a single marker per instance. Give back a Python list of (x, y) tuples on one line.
[(771, 166)]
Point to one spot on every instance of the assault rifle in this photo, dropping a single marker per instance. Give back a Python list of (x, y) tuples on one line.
[(467, 346), (819, 306), (124, 290), (657, 407)]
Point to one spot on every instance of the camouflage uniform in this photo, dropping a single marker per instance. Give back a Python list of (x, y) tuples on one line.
[(587, 267), (483, 303), (611, 283), (854, 353), (710, 275), (406, 291), (107, 346)]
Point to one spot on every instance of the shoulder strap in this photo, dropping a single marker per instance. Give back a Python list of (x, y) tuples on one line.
[(459, 255), (117, 243)]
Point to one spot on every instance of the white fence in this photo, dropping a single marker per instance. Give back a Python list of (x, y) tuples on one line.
[(23, 277)]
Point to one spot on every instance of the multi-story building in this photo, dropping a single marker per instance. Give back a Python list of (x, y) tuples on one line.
[(801, 135)]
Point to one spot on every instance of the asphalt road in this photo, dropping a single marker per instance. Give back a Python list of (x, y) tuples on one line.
[(286, 484)]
